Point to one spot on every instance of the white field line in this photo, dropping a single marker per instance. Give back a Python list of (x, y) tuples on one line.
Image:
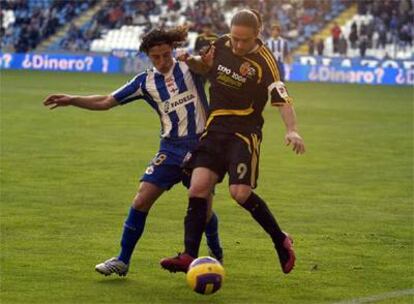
[(379, 297)]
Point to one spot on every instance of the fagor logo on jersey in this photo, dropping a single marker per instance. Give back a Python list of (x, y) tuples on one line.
[(178, 101)]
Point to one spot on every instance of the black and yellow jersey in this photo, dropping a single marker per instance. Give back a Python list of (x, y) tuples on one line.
[(240, 88), (204, 40)]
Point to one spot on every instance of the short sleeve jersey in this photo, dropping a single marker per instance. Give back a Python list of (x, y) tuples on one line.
[(178, 97), (240, 88)]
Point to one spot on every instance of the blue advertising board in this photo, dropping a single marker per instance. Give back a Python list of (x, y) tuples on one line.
[(358, 75), (60, 62), (346, 70), (303, 69)]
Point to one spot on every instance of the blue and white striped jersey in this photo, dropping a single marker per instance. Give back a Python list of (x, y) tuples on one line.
[(178, 97), (279, 48)]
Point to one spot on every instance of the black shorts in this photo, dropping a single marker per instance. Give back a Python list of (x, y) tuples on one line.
[(235, 154)]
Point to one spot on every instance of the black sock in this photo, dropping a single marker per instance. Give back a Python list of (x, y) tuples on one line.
[(261, 213), (194, 224)]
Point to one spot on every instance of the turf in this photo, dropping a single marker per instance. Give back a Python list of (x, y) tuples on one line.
[(68, 177)]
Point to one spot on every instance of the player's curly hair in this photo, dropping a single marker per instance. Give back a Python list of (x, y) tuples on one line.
[(173, 37), (248, 17)]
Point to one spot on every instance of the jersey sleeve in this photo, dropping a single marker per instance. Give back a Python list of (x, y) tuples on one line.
[(130, 91), (271, 80)]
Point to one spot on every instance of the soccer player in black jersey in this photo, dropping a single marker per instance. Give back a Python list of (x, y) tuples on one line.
[(243, 74)]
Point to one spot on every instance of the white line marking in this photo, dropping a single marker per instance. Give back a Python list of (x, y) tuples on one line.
[(380, 297)]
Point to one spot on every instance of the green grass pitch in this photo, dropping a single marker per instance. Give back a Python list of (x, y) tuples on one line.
[(68, 177)]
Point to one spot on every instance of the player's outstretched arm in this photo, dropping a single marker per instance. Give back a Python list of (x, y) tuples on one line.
[(92, 102), (292, 136)]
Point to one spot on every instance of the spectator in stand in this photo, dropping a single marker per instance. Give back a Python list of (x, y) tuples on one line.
[(342, 46), (336, 34), (353, 36), (363, 44), (115, 15), (311, 47), (382, 34), (405, 35), (320, 47)]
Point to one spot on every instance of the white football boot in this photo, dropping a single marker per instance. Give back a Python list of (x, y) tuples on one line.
[(111, 266)]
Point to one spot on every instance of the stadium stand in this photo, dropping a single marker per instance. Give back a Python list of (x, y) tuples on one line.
[(118, 24), (353, 28), (378, 29), (25, 23)]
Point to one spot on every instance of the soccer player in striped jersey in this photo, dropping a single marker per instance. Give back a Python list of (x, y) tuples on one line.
[(243, 74), (177, 96), (280, 49)]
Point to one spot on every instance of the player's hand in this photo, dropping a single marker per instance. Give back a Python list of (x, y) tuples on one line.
[(296, 141), (57, 100), (182, 55), (208, 57)]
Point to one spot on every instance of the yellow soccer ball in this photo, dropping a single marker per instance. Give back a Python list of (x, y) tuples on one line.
[(205, 275)]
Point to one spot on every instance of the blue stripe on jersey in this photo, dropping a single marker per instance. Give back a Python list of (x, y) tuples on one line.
[(191, 123), (174, 120), (130, 89), (164, 95), (161, 86), (149, 99), (198, 81), (179, 79)]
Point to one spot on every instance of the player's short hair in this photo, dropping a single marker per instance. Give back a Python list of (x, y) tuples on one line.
[(173, 37), (276, 26), (248, 17)]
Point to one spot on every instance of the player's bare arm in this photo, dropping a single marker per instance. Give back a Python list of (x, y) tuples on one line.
[(92, 102), (199, 64), (292, 136)]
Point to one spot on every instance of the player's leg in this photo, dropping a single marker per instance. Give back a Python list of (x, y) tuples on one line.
[(134, 225), (243, 171), (264, 217), (211, 232), (158, 177), (203, 181), (208, 169)]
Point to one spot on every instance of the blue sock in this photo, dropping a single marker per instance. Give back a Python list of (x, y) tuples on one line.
[(212, 236), (133, 228)]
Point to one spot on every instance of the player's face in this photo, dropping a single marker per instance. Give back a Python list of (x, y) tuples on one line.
[(161, 57), (275, 33), (243, 39)]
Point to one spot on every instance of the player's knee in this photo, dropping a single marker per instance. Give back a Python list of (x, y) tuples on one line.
[(140, 203), (240, 194), (198, 190)]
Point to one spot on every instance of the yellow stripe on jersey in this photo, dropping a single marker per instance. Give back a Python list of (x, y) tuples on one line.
[(258, 67), (272, 57), (246, 140), (271, 63), (223, 112), (273, 60)]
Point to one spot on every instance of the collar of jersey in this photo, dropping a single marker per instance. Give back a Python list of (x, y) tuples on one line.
[(170, 70)]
